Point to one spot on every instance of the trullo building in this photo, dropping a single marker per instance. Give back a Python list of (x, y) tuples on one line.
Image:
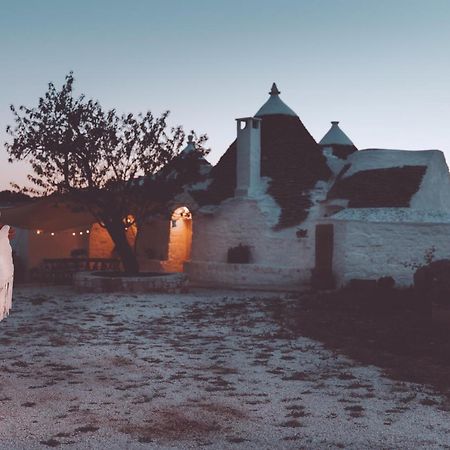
[(280, 210)]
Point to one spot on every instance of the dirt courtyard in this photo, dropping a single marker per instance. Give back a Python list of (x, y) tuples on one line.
[(207, 369)]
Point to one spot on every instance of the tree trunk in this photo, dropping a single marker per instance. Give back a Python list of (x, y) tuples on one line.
[(123, 248)]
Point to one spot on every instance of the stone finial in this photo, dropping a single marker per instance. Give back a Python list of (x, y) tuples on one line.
[(274, 105), (274, 90), (190, 146)]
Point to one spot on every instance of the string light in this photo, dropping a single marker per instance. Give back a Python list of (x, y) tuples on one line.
[(65, 232), (61, 233)]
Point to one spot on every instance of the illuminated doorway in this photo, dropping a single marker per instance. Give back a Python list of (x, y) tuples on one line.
[(180, 239)]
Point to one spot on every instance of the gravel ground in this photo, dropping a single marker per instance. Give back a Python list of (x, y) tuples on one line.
[(207, 369)]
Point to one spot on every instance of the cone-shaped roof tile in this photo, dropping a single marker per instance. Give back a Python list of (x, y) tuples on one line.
[(275, 105), (335, 136)]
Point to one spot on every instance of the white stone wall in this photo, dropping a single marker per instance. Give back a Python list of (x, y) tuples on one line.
[(370, 250), (242, 222), (434, 191), (247, 276), (250, 222)]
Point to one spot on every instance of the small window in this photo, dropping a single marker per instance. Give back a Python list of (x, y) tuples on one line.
[(242, 124)]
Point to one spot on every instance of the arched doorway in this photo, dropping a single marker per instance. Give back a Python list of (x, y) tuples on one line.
[(180, 239)]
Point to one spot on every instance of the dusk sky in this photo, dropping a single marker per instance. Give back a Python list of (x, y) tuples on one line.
[(382, 68)]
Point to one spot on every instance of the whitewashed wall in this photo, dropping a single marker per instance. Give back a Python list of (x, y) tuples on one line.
[(370, 250), (247, 276), (278, 257), (434, 191)]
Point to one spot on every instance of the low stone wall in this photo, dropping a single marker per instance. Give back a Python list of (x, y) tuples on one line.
[(90, 282), (151, 265), (156, 265), (247, 276)]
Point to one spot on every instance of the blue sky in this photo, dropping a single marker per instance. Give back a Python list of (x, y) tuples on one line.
[(382, 68)]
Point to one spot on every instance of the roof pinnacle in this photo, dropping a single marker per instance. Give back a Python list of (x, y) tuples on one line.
[(274, 90), (190, 146), (274, 105)]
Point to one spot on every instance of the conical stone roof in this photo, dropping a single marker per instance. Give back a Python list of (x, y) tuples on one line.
[(290, 157), (335, 136), (275, 105), (340, 143)]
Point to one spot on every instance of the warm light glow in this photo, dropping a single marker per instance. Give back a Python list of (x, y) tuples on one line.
[(131, 228), (81, 232), (73, 234), (180, 238), (38, 231), (87, 231), (181, 213), (129, 219), (52, 234)]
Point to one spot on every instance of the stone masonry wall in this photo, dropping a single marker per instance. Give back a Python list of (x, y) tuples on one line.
[(242, 222), (368, 250)]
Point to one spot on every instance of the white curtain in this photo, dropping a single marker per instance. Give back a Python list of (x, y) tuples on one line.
[(6, 273)]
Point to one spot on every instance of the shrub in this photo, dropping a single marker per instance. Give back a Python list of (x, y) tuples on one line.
[(433, 281), (386, 283)]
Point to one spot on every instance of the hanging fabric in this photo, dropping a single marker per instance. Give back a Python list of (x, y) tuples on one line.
[(6, 273)]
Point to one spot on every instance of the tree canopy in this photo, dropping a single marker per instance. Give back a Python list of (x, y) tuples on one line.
[(97, 158)]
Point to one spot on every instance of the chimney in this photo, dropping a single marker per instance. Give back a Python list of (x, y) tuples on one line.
[(248, 158)]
